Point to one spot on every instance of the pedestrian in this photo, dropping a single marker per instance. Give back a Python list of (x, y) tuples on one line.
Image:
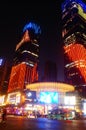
[(0, 116), (4, 113)]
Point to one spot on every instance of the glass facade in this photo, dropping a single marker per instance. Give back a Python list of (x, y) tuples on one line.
[(74, 38), (26, 59)]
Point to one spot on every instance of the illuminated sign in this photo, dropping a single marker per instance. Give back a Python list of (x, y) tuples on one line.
[(30, 94), (14, 98), (48, 97)]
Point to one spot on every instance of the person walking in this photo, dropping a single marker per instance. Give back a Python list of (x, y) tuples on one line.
[(0, 115), (4, 113)]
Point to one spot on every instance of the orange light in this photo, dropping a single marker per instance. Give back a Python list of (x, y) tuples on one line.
[(77, 54), (50, 86)]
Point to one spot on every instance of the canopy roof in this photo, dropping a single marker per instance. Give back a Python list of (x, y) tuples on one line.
[(50, 86)]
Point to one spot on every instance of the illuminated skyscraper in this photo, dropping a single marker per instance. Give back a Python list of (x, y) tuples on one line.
[(24, 70), (74, 38)]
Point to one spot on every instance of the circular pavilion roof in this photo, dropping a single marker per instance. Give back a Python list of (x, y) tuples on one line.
[(50, 86)]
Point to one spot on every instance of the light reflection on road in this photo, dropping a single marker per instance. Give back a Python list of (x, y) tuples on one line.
[(20, 123)]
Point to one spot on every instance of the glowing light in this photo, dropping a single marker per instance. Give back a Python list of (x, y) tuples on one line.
[(80, 11), (84, 108), (77, 54), (48, 97), (14, 98), (70, 100), (50, 86), (2, 100), (82, 4), (16, 78), (32, 26), (29, 94), (25, 51), (1, 60)]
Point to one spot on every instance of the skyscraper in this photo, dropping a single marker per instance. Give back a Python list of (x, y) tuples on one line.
[(74, 38), (24, 70), (5, 69), (50, 71)]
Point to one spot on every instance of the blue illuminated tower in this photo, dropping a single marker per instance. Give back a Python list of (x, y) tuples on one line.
[(74, 38), (27, 50), (26, 59)]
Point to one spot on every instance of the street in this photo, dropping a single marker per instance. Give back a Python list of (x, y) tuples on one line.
[(20, 123)]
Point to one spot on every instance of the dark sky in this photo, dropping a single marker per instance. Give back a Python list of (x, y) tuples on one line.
[(14, 16)]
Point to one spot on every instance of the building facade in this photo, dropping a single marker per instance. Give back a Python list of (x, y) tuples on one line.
[(74, 38), (50, 72), (5, 70), (24, 70)]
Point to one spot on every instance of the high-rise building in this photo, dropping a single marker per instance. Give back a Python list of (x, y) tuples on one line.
[(74, 38), (26, 59), (50, 71), (5, 70)]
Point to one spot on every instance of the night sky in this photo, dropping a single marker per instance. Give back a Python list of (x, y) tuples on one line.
[(14, 16)]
